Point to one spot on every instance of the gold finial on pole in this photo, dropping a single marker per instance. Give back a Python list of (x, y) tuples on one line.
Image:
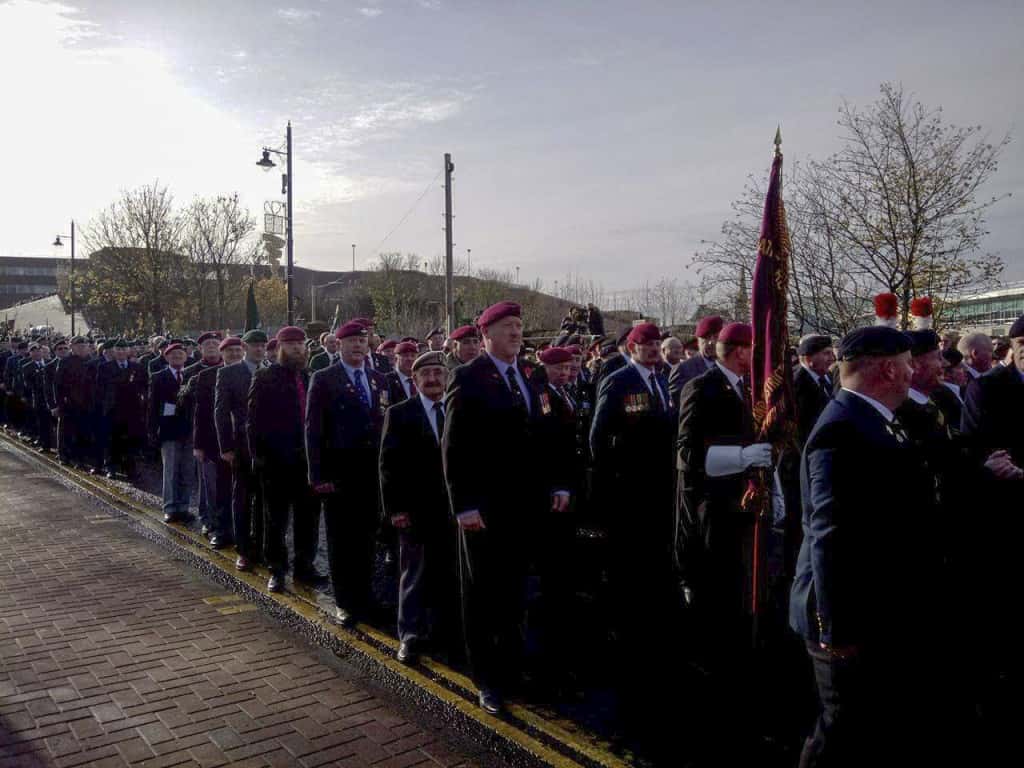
[(778, 139)]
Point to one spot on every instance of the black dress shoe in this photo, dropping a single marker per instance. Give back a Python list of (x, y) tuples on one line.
[(276, 583), (169, 518), (406, 652), (490, 701), (344, 618), (243, 564), (219, 542), (205, 530)]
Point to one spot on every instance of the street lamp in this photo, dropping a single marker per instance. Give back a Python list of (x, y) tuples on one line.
[(266, 163), (353, 257), (71, 273), (469, 262)]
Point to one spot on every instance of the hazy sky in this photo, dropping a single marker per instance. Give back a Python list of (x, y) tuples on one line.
[(606, 138)]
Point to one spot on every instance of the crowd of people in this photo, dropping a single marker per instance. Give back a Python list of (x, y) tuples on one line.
[(475, 462)]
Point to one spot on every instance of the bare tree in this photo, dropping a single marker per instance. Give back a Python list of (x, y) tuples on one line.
[(135, 255)]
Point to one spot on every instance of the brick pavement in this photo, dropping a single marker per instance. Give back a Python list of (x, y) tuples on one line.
[(113, 652)]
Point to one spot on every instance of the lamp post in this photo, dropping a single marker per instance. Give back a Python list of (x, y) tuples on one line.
[(71, 273), (469, 262), (266, 163), (353, 257)]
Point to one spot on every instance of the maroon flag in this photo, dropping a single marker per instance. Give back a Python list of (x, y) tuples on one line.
[(771, 374)]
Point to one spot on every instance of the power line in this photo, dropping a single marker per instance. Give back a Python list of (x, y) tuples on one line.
[(408, 213)]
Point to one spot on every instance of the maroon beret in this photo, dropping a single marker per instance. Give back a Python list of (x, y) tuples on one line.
[(272, 345), (555, 355), (387, 345), (230, 341), (351, 328), (465, 332), (499, 311), (738, 334), (363, 321), (708, 326), (406, 347), (644, 333), (171, 347), (207, 336), (290, 333)]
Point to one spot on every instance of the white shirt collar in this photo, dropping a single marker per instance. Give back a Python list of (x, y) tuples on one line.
[(502, 365), (734, 380), (918, 397), (886, 413), (954, 389), (970, 369), (351, 370), (250, 365), (428, 406)]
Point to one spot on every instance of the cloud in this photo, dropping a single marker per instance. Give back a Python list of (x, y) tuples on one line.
[(371, 13), (430, 5), (297, 15)]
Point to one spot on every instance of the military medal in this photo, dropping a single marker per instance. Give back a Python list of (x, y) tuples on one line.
[(545, 403)]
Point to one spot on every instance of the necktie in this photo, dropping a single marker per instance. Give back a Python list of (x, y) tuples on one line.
[(826, 390), (302, 394), (412, 389), (517, 393), (360, 388), (568, 399), (655, 392), (439, 419), (177, 376)]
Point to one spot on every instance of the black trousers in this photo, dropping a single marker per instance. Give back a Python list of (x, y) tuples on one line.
[(44, 427), (286, 489), (492, 575), (246, 508), (352, 521), (76, 428), (427, 586)]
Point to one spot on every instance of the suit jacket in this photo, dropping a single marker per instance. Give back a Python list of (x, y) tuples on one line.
[(230, 408), (486, 428), (683, 372), (951, 406), (609, 365), (557, 432), (396, 392), (342, 433), (992, 417), (51, 381), (200, 391), (810, 402), (381, 363), (274, 424), (157, 364), (163, 392), (411, 472), (74, 385), (121, 393), (868, 567), (320, 361), (34, 384)]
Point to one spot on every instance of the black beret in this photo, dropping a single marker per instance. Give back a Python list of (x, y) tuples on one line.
[(1017, 329), (188, 340), (953, 356), (873, 341), (922, 342), (435, 332), (163, 343), (79, 340), (255, 336), (33, 346), (813, 344), (22, 345), (121, 344)]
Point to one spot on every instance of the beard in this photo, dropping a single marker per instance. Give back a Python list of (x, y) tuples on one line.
[(293, 361)]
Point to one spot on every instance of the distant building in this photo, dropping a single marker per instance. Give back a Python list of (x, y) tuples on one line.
[(991, 312), (23, 278), (48, 313)]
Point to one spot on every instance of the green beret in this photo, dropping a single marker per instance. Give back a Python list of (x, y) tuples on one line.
[(121, 344), (255, 336)]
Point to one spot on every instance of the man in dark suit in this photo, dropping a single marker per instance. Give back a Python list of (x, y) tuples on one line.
[(61, 349), (159, 361), (231, 416), (328, 354), (75, 391), (491, 420), (33, 374), (401, 385), (868, 519), (276, 414), (612, 360), (707, 335), (374, 360), (949, 396), (347, 402), (812, 387), (121, 392), (716, 448), (415, 503), (993, 430), (208, 349), (170, 429)]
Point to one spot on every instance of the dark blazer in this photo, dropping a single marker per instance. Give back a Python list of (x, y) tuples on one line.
[(557, 432), (34, 377), (74, 385), (411, 472), (486, 428), (868, 567), (396, 392), (230, 408), (201, 389), (51, 381), (274, 424), (381, 363), (951, 406), (340, 429), (163, 390), (992, 415), (810, 402), (319, 361), (609, 365), (682, 373), (121, 393), (157, 364)]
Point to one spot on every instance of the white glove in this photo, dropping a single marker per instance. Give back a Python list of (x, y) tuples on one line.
[(757, 455)]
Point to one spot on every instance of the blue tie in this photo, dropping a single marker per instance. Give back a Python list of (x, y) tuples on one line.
[(361, 387)]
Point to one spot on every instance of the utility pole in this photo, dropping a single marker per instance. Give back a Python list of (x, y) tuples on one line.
[(353, 257), (469, 262), (290, 242), (71, 278), (449, 293)]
